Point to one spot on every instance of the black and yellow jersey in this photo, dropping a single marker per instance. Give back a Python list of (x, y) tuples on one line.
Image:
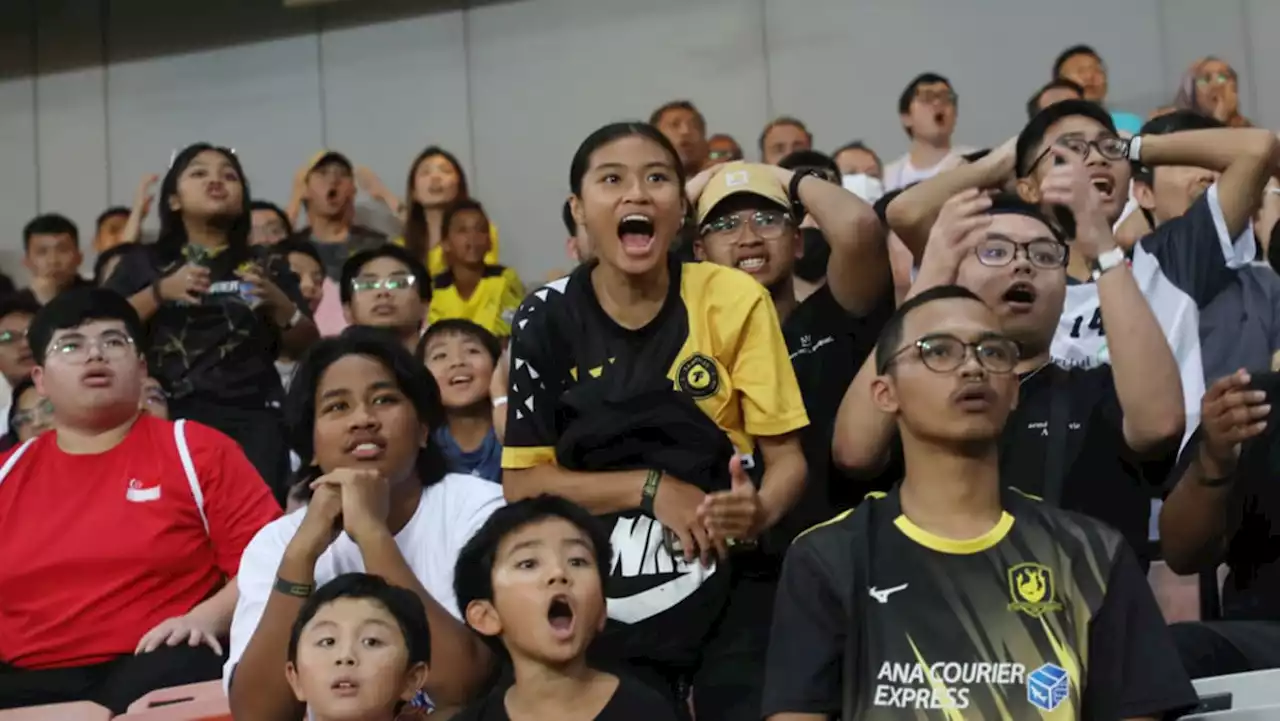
[(491, 305), (731, 358), (699, 383), (1046, 616)]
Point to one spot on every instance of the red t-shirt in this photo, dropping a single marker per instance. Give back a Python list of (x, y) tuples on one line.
[(95, 550)]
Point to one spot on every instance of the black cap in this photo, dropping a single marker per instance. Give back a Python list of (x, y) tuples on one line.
[(328, 157)]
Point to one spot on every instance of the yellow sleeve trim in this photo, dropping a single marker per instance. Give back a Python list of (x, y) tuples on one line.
[(779, 426), (520, 458), (839, 517), (953, 546)]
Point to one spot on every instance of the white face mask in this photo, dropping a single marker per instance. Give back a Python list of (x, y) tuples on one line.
[(864, 186)]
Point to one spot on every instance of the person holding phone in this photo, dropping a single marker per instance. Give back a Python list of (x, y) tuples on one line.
[(217, 318)]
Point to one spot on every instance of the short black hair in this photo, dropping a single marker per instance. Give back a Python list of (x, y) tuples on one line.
[(810, 159), (22, 303), (566, 216), (462, 327), (352, 267), (49, 224), (115, 211), (909, 92), (1031, 136), (1071, 52), (473, 572), (656, 116), (891, 334), (403, 605), (291, 245), (1009, 204), (268, 205), (410, 377), (105, 257), (1175, 122), (461, 205), (1033, 105), (859, 145), (73, 308), (783, 120)]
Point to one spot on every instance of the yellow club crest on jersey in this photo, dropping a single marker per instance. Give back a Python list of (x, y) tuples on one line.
[(698, 376), (1032, 589)]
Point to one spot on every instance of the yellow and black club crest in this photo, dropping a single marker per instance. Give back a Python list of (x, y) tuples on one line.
[(698, 376)]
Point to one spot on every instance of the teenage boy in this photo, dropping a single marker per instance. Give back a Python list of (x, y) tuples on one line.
[(386, 287), (111, 226), (359, 649), (928, 109), (305, 262), (51, 244), (954, 597), (531, 581), (462, 356), (487, 295)]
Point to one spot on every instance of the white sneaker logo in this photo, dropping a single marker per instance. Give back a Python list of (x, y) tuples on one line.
[(137, 494), (882, 595)]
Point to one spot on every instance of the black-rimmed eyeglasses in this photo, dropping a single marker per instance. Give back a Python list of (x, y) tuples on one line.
[(1043, 254), (1108, 146)]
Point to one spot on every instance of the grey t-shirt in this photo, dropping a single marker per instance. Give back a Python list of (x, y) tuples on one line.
[(1241, 327), (334, 255)]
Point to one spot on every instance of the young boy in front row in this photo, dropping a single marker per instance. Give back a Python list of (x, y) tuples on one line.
[(359, 650), (461, 356), (487, 295), (531, 581)]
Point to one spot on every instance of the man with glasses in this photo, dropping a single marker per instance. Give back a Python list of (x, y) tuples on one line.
[(953, 596), (723, 149), (387, 288), (16, 361), (927, 108), (122, 533), (1077, 434)]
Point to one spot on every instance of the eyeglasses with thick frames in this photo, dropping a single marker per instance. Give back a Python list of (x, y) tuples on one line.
[(767, 224), (395, 282), (1110, 147), (76, 348), (1043, 254), (944, 353)]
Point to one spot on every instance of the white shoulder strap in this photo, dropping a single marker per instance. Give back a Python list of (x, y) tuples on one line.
[(13, 460), (184, 452)]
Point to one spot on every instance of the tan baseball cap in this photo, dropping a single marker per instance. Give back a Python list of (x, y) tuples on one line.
[(739, 177)]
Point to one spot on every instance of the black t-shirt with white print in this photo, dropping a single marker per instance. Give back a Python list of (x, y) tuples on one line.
[(631, 701), (220, 350)]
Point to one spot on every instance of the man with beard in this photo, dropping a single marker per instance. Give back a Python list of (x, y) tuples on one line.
[(1078, 434), (928, 108)]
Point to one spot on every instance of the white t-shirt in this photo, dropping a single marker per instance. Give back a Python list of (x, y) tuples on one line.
[(1180, 268), (450, 512), (901, 173)]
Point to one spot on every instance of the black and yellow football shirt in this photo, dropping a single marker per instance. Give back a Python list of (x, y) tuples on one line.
[(732, 359), (1046, 616), (697, 384), (491, 305)]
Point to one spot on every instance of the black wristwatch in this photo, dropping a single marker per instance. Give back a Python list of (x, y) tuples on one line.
[(798, 211), (650, 491)]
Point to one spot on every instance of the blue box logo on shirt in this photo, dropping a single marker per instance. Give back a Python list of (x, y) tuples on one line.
[(1047, 686)]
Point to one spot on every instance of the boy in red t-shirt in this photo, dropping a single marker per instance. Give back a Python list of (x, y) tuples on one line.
[(121, 533)]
